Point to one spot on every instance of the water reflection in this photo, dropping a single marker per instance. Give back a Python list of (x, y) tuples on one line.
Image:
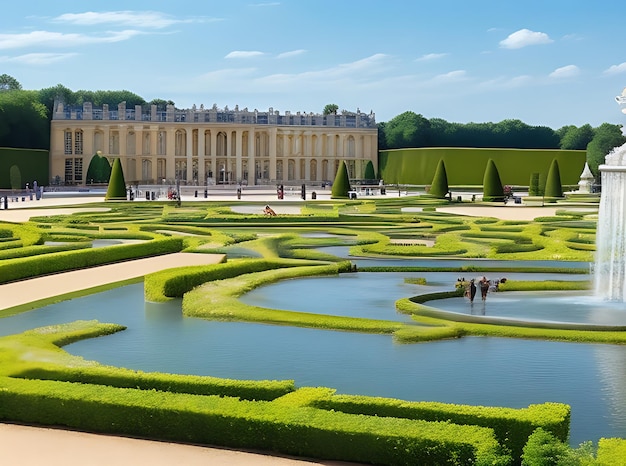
[(475, 370)]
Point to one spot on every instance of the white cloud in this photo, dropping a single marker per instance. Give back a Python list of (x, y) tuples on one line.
[(431, 56), (57, 39), (244, 54), (451, 76), (524, 38), (37, 58), (135, 19), (565, 72), (506, 82), (616, 69), (290, 54)]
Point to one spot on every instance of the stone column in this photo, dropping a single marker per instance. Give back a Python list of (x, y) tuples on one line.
[(238, 155), (251, 156), (189, 154), (201, 157), (216, 172), (153, 150), (273, 135), (170, 151)]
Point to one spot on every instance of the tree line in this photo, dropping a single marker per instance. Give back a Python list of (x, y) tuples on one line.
[(25, 117), (410, 130)]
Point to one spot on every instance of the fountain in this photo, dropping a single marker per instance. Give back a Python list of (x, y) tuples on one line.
[(610, 268)]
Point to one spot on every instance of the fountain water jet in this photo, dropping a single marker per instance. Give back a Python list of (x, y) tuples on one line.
[(610, 266)]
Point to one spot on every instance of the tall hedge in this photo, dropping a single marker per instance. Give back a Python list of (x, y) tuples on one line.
[(553, 182), (492, 186), (341, 186), (117, 186), (439, 186)]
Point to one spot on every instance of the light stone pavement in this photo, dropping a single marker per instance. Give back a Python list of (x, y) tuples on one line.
[(29, 446)]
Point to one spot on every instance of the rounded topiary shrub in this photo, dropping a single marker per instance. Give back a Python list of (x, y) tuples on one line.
[(341, 186), (553, 181), (117, 186), (370, 174), (99, 170), (492, 186), (439, 186)]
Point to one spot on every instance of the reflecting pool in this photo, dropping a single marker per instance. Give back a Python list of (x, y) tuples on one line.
[(474, 370)]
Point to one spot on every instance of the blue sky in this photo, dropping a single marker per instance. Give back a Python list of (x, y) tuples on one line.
[(545, 62)]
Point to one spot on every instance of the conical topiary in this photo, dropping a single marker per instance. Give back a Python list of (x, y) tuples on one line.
[(439, 186), (553, 181), (493, 190), (370, 174), (99, 170), (533, 187), (117, 186), (341, 186)]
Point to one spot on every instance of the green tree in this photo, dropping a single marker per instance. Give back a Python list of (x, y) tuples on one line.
[(553, 181), (59, 92), (575, 138), (330, 109), (341, 185), (9, 83), (116, 190), (493, 190), (23, 121), (606, 137), (407, 130), (439, 186), (370, 174), (99, 170), (161, 103)]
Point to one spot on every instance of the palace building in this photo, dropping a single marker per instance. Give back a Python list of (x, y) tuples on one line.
[(200, 146)]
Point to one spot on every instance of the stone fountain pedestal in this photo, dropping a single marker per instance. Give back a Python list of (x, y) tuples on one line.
[(610, 263)]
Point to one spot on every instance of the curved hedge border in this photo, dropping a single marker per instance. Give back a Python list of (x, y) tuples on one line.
[(34, 266)]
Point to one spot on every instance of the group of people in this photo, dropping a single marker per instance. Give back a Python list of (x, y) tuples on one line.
[(483, 284)]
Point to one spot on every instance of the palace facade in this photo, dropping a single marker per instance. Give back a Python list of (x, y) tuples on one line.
[(201, 146)]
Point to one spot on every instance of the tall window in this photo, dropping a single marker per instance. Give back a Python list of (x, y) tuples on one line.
[(68, 142), (181, 170), (69, 170), (78, 170), (78, 143), (161, 143)]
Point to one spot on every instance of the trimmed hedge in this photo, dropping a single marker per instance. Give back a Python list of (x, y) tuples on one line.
[(439, 186), (511, 426), (192, 384), (33, 266), (174, 283), (341, 185), (611, 451), (493, 190), (229, 422)]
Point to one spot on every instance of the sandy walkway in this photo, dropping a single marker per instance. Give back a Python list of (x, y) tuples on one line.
[(34, 446), (26, 291)]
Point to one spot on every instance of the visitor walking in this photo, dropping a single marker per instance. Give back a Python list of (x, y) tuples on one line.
[(484, 287), (472, 290)]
